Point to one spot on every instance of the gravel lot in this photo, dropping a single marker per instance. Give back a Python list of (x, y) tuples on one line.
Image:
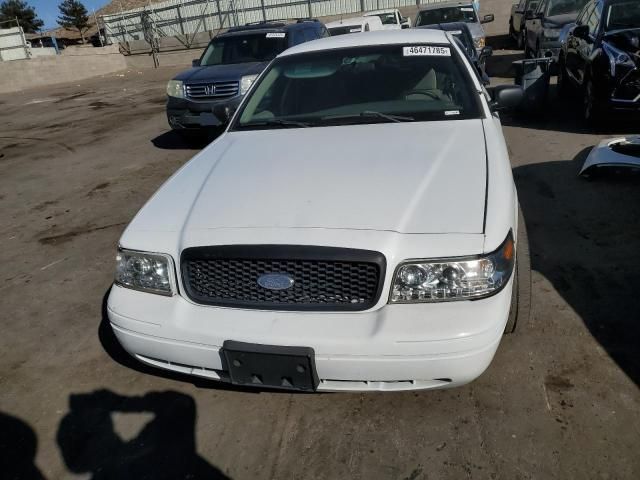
[(560, 400)]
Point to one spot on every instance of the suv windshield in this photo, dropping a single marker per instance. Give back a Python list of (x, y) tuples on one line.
[(362, 85), (561, 7), (623, 15), (447, 15), (253, 47), (388, 18)]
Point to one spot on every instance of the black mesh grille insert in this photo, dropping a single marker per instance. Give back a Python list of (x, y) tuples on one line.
[(324, 278)]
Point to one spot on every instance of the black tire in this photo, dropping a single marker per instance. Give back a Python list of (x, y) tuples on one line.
[(591, 111), (563, 85), (520, 39), (521, 294), (512, 32)]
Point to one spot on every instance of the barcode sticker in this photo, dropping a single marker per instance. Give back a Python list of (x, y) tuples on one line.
[(275, 35), (426, 51), (355, 30), (466, 9), (451, 112)]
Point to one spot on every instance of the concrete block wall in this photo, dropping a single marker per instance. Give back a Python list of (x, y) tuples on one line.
[(37, 72)]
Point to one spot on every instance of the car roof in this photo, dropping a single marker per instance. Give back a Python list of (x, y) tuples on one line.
[(266, 27), (379, 37), (378, 12), (350, 21), (439, 5)]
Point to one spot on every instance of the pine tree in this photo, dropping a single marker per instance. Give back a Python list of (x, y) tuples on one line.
[(73, 15), (26, 15)]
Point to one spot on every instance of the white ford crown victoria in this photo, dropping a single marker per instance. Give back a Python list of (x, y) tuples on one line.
[(355, 228)]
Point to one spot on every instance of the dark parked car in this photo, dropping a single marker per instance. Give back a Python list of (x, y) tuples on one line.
[(544, 25), (601, 57), (517, 19), (227, 69), (462, 33)]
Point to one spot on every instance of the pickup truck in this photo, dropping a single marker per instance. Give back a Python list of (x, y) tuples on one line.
[(391, 18)]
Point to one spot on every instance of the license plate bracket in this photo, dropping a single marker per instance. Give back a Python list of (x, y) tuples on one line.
[(271, 366)]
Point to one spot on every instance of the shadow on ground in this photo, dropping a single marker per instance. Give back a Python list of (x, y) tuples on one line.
[(156, 441), (584, 238), (18, 446), (174, 140), (563, 114)]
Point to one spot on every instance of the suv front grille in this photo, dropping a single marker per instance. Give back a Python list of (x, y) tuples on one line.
[(324, 278), (211, 90)]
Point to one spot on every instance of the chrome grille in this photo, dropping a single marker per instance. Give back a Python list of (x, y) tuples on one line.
[(212, 90)]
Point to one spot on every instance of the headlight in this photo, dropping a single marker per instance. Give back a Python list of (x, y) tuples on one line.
[(617, 58), (551, 33), (454, 279), (246, 82), (479, 43), (149, 272), (175, 88)]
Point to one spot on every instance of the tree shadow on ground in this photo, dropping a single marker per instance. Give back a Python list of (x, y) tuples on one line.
[(164, 448), (584, 238), (18, 446)]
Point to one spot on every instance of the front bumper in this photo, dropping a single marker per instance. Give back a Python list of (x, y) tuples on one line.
[(183, 113), (396, 347)]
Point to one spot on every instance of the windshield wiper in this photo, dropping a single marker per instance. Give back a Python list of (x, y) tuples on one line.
[(369, 114), (277, 122)]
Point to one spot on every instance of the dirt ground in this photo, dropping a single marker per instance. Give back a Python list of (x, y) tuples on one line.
[(560, 400)]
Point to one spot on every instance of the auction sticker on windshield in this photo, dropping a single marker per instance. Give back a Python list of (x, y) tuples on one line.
[(426, 50), (275, 35)]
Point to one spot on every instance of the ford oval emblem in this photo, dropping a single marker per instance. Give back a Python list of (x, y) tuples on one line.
[(275, 281)]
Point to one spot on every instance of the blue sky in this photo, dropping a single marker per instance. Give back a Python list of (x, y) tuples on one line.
[(47, 10)]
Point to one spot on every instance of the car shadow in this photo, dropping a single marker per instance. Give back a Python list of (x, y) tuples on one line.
[(563, 114), (583, 238), (18, 447), (154, 440), (500, 64), (174, 140)]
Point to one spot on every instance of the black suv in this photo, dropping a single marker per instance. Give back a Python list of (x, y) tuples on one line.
[(601, 57), (227, 69)]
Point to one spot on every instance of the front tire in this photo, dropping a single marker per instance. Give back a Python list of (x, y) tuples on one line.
[(521, 293)]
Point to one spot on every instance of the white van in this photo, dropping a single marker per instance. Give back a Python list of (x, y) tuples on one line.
[(354, 25), (391, 19)]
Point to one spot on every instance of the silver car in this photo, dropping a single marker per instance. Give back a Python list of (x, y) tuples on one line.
[(447, 12)]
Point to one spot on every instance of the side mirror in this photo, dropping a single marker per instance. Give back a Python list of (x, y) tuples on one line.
[(195, 62), (581, 31), (506, 97), (488, 18), (405, 25), (222, 113), (486, 52)]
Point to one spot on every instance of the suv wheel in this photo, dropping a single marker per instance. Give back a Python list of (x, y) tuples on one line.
[(591, 111)]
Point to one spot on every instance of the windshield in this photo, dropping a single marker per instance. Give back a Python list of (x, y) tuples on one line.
[(362, 85), (623, 15), (561, 7), (446, 15), (387, 18), (345, 29), (254, 47)]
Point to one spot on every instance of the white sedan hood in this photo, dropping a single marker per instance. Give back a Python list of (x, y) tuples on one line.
[(426, 177)]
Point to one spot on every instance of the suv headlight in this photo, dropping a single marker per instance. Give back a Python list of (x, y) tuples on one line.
[(617, 58), (148, 272), (454, 279), (246, 82), (479, 43), (175, 88)]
